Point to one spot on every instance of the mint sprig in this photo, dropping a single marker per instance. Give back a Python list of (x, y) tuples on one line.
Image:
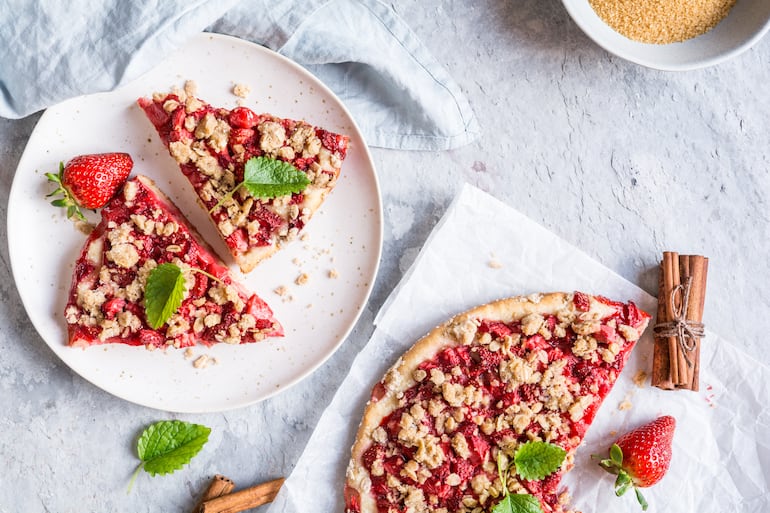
[(531, 461), (168, 445), (164, 292), (518, 503), (265, 177), (537, 460)]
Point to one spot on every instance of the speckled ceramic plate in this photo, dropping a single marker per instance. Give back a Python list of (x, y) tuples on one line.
[(344, 238)]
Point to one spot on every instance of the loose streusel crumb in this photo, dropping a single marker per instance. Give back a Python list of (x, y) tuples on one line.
[(333, 273), (495, 264), (625, 405), (241, 90), (640, 378), (302, 279), (188, 354), (201, 362), (84, 227), (281, 290), (190, 88)]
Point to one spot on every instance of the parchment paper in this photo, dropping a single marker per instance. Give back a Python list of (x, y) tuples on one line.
[(484, 250)]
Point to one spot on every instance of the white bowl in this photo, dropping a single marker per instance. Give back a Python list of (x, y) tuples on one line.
[(746, 23)]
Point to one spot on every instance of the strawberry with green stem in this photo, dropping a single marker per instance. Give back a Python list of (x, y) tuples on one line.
[(641, 457), (89, 181)]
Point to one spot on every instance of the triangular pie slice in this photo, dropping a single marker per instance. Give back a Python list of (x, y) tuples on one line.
[(212, 146), (485, 382), (140, 229)]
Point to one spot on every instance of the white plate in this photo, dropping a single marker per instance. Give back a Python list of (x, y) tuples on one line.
[(344, 236)]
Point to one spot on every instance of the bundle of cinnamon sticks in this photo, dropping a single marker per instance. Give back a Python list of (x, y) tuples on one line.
[(219, 497), (679, 329)]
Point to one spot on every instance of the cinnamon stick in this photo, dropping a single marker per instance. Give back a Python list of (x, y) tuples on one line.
[(698, 266), (220, 485), (676, 353), (242, 500), (661, 370), (671, 280), (682, 363)]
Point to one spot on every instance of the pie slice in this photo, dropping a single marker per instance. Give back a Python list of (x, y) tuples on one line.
[(140, 229), (212, 146), (490, 379)]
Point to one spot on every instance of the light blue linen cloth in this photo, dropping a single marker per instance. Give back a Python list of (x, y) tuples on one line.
[(399, 95)]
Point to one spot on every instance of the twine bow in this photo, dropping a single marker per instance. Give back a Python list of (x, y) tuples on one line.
[(686, 332)]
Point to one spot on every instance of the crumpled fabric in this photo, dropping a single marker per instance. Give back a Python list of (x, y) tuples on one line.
[(399, 95)]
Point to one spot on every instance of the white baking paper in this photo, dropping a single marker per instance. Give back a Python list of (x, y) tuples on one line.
[(484, 250)]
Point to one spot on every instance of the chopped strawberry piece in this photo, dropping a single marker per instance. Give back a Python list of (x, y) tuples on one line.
[(241, 135), (112, 307), (606, 334), (155, 112), (243, 117), (495, 328), (151, 338), (582, 301)]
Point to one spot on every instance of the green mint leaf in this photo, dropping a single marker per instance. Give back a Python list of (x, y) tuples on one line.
[(168, 445), (163, 293), (264, 177), (518, 503), (537, 460)]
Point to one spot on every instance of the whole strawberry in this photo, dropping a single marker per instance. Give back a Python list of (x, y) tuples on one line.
[(641, 457), (89, 181)]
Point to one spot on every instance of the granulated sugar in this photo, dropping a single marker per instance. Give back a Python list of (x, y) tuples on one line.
[(662, 21)]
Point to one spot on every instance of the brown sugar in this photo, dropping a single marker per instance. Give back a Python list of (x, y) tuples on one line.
[(662, 21)]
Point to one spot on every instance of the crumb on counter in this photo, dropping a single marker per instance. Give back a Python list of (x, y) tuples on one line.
[(333, 274), (204, 361), (241, 90), (625, 405), (302, 279), (495, 264), (281, 290), (188, 354), (640, 378)]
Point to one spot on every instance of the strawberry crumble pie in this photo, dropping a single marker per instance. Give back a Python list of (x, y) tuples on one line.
[(141, 229), (212, 147), (466, 396)]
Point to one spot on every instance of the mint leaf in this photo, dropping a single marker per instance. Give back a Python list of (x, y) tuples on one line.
[(168, 445), (518, 503), (163, 293), (266, 177), (537, 460)]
